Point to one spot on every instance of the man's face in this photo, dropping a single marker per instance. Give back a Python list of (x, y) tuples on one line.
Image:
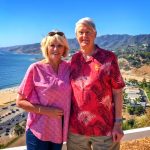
[(85, 36)]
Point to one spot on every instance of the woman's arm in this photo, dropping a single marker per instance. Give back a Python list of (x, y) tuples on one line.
[(39, 109)]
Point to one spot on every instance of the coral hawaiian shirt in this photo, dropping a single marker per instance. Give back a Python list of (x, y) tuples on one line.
[(92, 80)]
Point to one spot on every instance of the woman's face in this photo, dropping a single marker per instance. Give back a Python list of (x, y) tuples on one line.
[(85, 36), (55, 51)]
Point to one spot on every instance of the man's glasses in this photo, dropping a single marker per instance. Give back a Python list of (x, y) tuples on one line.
[(53, 33)]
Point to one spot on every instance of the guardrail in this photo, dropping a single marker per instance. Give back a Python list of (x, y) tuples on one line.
[(129, 135)]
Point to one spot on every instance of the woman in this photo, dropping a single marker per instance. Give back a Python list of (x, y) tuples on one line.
[(96, 113), (45, 93)]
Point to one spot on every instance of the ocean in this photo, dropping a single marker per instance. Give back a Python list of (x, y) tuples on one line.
[(13, 67)]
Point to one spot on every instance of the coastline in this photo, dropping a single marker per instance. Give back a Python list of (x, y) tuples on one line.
[(8, 95)]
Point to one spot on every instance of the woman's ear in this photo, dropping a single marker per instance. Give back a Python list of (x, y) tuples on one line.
[(95, 34)]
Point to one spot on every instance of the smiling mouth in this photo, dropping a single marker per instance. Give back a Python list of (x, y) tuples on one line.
[(55, 53), (85, 42)]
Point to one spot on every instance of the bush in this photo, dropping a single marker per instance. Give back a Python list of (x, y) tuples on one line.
[(143, 121), (139, 110), (131, 122), (126, 126), (130, 110)]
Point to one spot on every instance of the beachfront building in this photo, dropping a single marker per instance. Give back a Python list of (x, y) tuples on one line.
[(135, 96)]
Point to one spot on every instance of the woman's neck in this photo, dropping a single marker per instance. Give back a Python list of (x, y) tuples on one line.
[(55, 65)]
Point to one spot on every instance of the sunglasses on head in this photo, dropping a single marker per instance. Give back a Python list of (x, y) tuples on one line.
[(53, 33)]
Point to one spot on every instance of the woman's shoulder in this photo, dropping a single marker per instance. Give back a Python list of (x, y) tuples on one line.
[(34, 64), (37, 64)]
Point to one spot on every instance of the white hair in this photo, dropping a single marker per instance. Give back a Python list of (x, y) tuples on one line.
[(87, 21)]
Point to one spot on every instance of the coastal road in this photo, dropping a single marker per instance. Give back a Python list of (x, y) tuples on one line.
[(10, 115)]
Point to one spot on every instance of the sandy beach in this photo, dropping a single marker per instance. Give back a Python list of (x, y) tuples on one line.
[(7, 95)]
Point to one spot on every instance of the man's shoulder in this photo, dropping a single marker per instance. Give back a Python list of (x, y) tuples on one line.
[(104, 53), (76, 54)]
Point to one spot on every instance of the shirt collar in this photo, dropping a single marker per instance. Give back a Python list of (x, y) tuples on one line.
[(90, 58)]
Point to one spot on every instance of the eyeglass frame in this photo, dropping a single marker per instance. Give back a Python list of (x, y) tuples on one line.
[(52, 33)]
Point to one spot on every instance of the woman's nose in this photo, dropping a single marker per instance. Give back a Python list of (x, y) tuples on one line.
[(55, 47)]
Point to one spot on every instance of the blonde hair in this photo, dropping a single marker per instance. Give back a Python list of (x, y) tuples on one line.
[(87, 21), (46, 41)]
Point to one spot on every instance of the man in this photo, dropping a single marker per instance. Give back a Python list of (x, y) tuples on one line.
[(96, 113)]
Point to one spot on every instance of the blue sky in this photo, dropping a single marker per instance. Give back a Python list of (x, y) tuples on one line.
[(28, 21)]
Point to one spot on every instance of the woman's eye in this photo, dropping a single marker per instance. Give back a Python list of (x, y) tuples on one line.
[(52, 45), (59, 46)]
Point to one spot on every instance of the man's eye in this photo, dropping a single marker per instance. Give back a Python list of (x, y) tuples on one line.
[(80, 32), (88, 32)]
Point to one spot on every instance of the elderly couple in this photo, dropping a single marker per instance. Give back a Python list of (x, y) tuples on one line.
[(79, 102)]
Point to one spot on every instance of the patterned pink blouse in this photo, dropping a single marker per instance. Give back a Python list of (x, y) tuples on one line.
[(41, 85)]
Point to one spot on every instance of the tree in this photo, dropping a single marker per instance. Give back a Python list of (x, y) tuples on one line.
[(144, 83), (19, 130), (139, 110), (130, 110)]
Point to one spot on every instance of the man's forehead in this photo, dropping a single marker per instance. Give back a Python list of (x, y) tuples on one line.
[(84, 27)]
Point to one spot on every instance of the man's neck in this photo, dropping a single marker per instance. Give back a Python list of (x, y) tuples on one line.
[(88, 51)]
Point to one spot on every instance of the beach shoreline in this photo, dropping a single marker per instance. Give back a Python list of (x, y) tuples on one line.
[(8, 95)]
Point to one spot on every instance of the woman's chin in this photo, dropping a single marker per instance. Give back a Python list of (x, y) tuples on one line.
[(55, 58)]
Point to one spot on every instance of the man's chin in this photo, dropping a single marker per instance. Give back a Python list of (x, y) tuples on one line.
[(84, 45)]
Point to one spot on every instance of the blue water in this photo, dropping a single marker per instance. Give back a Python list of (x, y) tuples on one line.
[(13, 68)]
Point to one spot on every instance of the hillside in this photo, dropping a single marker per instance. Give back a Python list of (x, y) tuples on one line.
[(29, 49), (112, 42), (116, 41), (137, 73)]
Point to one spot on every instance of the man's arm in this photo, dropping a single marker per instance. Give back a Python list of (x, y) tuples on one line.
[(118, 102)]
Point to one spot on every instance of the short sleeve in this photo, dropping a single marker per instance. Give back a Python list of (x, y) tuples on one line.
[(117, 81), (27, 84)]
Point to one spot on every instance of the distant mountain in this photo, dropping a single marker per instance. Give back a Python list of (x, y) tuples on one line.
[(110, 42), (113, 42), (30, 48)]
